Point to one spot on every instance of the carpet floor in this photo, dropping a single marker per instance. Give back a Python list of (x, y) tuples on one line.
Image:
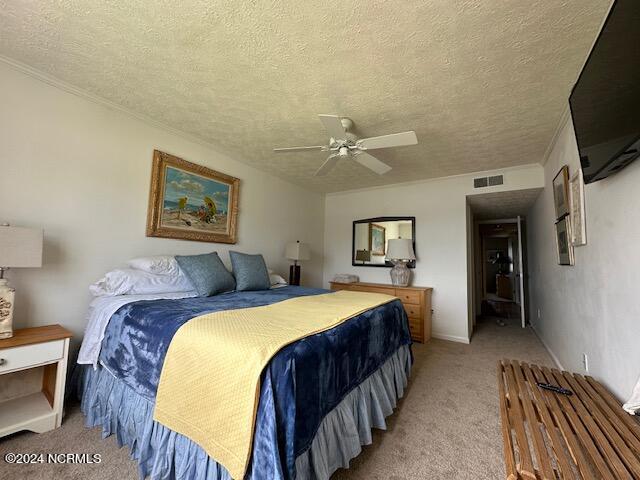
[(447, 425)]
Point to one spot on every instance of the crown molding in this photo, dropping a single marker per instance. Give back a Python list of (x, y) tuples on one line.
[(485, 173), (84, 94), (564, 118)]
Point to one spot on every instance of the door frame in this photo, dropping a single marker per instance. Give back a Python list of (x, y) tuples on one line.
[(519, 221)]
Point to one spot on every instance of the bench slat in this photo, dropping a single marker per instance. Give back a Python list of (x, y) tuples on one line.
[(616, 406), (630, 439), (569, 426), (507, 441), (597, 433), (556, 439), (526, 463), (623, 452), (544, 462)]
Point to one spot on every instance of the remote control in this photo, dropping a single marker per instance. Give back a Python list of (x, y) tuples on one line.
[(555, 388)]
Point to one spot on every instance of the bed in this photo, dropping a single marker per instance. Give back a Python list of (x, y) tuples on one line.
[(319, 396)]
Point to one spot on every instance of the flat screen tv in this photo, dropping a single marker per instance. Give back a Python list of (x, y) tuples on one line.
[(605, 102)]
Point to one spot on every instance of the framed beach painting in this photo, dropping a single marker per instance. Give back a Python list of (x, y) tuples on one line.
[(191, 202), (377, 239), (561, 192)]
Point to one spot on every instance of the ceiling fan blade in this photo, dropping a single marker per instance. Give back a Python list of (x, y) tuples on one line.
[(371, 163), (327, 165), (333, 125), (386, 141), (300, 149)]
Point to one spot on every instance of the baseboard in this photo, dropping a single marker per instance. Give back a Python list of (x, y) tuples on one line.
[(450, 338), (548, 349)]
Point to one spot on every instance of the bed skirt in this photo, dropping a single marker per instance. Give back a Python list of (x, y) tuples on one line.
[(163, 454)]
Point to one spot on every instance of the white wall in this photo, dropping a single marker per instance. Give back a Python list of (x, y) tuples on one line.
[(440, 209), (592, 307), (81, 171)]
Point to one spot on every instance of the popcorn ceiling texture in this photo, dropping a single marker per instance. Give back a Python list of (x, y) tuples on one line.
[(501, 205), (483, 83)]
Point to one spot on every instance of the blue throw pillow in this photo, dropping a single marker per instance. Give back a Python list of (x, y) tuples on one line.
[(250, 271), (207, 273)]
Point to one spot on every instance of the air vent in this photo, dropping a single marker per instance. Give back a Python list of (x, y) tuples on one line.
[(497, 180), (480, 182)]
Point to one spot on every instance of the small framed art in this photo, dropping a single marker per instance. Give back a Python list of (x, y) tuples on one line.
[(377, 239), (563, 241), (561, 192)]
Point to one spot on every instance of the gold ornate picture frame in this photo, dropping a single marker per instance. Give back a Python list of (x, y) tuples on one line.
[(191, 202), (377, 239)]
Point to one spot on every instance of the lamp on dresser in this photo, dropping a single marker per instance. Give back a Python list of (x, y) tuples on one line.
[(296, 251), (19, 248), (399, 252)]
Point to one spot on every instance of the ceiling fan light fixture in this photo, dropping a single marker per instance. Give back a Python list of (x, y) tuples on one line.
[(344, 143)]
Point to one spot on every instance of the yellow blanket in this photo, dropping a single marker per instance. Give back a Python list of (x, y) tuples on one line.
[(210, 381)]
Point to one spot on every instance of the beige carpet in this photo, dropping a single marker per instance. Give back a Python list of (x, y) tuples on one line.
[(447, 426)]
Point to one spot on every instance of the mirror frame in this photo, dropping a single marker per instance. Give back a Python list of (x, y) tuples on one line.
[(387, 263)]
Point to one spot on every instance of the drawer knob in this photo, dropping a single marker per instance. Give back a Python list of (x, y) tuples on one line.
[(2, 361)]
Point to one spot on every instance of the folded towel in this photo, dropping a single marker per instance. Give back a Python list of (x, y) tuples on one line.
[(633, 404)]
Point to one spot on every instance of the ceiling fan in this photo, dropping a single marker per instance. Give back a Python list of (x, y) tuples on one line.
[(343, 143)]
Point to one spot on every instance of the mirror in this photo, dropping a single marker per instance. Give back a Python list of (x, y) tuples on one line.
[(371, 237)]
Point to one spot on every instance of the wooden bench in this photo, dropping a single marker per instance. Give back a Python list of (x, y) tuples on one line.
[(548, 435)]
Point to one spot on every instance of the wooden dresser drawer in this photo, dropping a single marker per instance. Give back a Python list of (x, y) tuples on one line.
[(408, 296), (29, 355), (413, 311), (416, 327), (386, 291)]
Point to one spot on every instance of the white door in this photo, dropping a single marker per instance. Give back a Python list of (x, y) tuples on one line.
[(519, 273)]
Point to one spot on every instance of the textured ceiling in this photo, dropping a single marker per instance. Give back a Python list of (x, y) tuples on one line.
[(502, 205), (482, 82)]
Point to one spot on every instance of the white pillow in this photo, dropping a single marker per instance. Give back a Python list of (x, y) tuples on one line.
[(128, 281), (276, 279), (158, 264)]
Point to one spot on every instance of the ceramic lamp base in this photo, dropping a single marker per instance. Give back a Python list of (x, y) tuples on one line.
[(400, 274), (7, 296)]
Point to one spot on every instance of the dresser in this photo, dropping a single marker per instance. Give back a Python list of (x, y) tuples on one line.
[(416, 302)]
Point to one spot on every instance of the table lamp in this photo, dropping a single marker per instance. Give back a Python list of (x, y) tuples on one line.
[(19, 248), (296, 251), (399, 252)]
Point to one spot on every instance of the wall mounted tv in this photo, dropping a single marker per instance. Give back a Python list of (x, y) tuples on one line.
[(605, 102)]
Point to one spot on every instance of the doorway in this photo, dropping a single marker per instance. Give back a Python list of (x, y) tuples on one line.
[(497, 257), (499, 271)]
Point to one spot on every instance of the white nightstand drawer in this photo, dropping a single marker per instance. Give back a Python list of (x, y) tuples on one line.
[(17, 358)]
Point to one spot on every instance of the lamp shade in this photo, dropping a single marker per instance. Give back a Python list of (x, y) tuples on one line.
[(20, 247), (400, 249), (297, 251)]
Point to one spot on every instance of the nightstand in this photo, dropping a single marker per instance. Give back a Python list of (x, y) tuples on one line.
[(33, 371)]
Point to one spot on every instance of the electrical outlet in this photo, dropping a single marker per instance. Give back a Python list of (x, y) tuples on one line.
[(585, 362)]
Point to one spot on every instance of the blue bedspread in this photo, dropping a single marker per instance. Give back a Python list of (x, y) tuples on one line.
[(302, 383)]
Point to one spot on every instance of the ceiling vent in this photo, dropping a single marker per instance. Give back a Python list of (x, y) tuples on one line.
[(496, 180), (482, 182)]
